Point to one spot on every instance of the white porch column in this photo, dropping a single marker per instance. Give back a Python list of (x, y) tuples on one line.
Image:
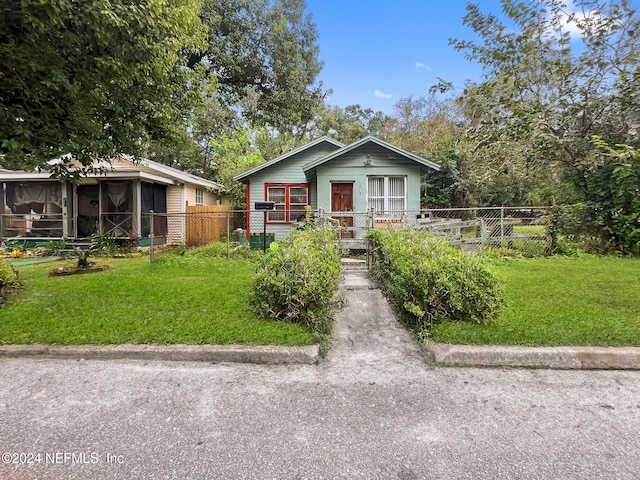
[(136, 221)]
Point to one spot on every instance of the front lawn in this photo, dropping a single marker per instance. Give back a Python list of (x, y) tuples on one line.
[(559, 301), (182, 300)]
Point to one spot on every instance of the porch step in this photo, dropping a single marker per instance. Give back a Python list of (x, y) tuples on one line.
[(353, 264), (70, 248)]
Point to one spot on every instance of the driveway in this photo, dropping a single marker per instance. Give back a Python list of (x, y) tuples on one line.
[(372, 410)]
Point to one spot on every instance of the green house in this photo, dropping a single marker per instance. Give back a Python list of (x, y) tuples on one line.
[(367, 181)]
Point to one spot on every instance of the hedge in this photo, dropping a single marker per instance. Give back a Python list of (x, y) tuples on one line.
[(298, 278), (431, 281)]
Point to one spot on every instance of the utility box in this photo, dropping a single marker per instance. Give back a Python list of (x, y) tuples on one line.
[(257, 240)]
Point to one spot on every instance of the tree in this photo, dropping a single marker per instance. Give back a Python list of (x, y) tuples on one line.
[(546, 92), (349, 124), (92, 78), (262, 64), (613, 195), (232, 155), (264, 56)]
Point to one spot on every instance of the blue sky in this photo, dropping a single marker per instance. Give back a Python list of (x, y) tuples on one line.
[(376, 52)]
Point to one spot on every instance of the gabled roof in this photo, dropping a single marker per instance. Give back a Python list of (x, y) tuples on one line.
[(179, 174), (422, 161), (293, 152)]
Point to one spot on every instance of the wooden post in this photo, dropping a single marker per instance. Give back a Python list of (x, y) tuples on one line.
[(228, 235)]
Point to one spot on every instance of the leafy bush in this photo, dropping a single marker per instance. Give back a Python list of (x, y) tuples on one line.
[(613, 182), (609, 218), (54, 246), (8, 280), (219, 249), (298, 278), (103, 244), (432, 281)]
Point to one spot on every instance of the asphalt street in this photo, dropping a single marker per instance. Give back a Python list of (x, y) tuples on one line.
[(374, 409)]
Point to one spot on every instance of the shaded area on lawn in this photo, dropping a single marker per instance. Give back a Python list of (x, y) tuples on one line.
[(180, 300), (584, 300)]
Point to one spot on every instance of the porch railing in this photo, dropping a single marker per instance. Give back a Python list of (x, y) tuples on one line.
[(117, 224), (31, 225)]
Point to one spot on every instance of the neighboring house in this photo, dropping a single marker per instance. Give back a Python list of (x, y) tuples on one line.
[(369, 175), (115, 202)]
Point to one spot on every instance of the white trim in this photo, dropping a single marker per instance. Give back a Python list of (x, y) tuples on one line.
[(377, 141), (199, 192), (385, 193)]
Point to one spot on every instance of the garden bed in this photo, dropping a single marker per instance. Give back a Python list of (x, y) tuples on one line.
[(73, 270)]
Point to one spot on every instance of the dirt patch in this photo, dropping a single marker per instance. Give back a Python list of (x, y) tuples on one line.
[(62, 271)]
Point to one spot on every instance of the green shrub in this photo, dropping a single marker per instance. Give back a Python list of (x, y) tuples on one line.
[(103, 244), (219, 249), (432, 281), (54, 246), (8, 280), (298, 278)]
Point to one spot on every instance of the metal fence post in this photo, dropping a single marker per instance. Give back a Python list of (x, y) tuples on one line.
[(502, 226)]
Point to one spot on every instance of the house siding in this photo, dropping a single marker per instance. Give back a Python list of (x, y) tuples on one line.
[(209, 198), (175, 223), (121, 170), (350, 168), (287, 171)]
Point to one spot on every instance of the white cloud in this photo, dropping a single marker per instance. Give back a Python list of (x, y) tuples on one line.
[(568, 21), (380, 94), (423, 65)]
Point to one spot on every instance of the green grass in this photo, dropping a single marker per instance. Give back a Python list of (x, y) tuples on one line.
[(531, 230), (560, 301), (184, 300)]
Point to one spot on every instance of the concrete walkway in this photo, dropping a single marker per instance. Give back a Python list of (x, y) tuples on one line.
[(368, 340)]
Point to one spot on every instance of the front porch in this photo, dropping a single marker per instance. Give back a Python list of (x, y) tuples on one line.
[(48, 210)]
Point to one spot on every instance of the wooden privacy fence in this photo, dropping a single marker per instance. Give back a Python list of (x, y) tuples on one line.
[(206, 224)]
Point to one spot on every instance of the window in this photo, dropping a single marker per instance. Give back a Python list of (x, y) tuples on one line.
[(199, 197), (387, 194), (290, 201)]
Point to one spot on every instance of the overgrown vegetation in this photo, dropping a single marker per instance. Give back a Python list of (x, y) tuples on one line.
[(298, 278), (609, 218), (432, 282), (218, 250)]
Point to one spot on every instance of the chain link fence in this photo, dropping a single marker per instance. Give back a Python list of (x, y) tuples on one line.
[(510, 230)]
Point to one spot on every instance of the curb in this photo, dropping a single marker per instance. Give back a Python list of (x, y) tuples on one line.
[(271, 355), (570, 358)]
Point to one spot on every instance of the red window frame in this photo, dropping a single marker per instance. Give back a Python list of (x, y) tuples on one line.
[(287, 206)]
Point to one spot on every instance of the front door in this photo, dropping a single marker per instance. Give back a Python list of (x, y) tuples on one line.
[(88, 210), (342, 201)]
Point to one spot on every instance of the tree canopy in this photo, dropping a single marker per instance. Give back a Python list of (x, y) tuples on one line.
[(264, 56), (92, 78), (545, 88)]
